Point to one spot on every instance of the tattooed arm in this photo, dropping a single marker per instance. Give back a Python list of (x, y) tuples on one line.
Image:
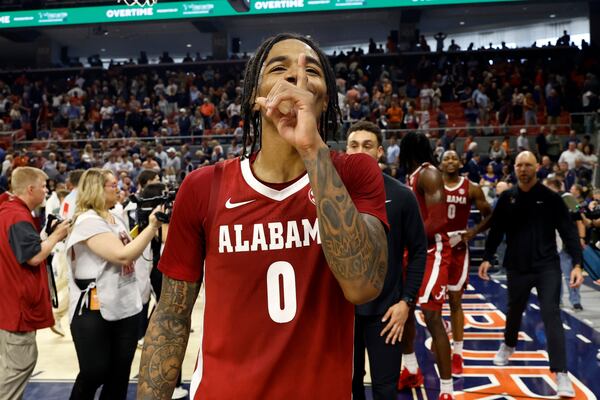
[(166, 339), (355, 244)]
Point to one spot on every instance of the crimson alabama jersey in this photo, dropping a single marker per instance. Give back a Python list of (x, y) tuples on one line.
[(432, 292), (276, 324), (459, 205), (459, 208), (413, 182)]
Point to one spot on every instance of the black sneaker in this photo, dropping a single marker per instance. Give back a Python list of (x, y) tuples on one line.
[(577, 307)]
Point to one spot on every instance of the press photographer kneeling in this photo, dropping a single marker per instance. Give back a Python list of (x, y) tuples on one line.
[(105, 301)]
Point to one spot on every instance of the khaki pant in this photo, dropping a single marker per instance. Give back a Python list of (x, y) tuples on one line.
[(18, 355)]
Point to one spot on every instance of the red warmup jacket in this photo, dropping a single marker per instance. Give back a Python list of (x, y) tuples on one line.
[(24, 294)]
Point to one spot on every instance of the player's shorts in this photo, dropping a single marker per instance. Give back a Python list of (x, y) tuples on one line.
[(458, 268), (432, 293)]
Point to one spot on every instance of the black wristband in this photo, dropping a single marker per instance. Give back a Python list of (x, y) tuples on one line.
[(408, 300)]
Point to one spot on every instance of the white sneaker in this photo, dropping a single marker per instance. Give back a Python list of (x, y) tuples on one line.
[(179, 393), (564, 387), (58, 329), (503, 354)]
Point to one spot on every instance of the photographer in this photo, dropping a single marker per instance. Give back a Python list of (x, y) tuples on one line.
[(105, 300), (147, 273), (24, 293), (591, 218)]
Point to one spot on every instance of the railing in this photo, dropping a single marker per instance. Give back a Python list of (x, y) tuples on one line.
[(45, 143), (482, 130), (9, 138), (510, 130)]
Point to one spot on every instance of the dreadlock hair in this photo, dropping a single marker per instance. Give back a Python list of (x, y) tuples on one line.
[(329, 120), (415, 149)]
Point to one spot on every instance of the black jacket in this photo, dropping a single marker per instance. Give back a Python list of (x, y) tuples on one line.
[(529, 220), (406, 232)]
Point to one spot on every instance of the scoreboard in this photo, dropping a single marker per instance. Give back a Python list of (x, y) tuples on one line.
[(198, 9)]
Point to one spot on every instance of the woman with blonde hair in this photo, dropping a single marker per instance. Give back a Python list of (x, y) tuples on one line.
[(105, 300)]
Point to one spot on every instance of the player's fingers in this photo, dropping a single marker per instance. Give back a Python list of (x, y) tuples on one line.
[(397, 336), (302, 79), (391, 334), (480, 272), (387, 315), (261, 102), (282, 101), (386, 329)]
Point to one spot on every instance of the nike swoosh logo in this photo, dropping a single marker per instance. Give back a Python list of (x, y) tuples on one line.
[(388, 201), (229, 205)]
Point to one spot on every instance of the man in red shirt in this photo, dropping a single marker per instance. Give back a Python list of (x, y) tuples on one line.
[(24, 294), (285, 240)]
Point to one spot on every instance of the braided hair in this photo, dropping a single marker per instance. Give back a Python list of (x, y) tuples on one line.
[(415, 149), (328, 121)]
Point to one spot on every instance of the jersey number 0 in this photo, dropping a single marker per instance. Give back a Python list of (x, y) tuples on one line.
[(451, 211), (281, 311)]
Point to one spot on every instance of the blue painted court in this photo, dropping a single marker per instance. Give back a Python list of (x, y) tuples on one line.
[(526, 377)]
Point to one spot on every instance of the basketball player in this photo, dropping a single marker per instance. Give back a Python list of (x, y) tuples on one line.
[(460, 194), (379, 323), (426, 182), (285, 239)]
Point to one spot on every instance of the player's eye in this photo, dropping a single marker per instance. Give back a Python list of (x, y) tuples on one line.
[(278, 68), (313, 71)]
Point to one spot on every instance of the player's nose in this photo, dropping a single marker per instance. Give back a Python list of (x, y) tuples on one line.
[(291, 75), (291, 78)]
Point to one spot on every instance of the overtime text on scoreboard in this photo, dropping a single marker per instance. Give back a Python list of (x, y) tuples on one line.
[(197, 9)]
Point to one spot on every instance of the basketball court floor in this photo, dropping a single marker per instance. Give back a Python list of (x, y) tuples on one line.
[(527, 376)]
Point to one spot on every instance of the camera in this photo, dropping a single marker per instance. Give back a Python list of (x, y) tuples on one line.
[(52, 223), (146, 205), (592, 214)]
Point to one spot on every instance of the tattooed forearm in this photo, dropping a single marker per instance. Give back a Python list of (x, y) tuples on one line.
[(355, 245), (166, 340)]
